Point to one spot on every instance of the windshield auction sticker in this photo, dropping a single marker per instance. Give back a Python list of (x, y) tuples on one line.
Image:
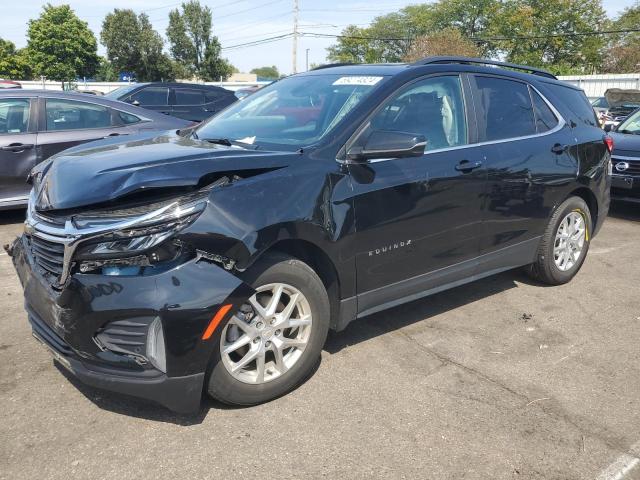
[(357, 80)]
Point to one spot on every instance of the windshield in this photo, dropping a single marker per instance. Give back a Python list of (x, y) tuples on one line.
[(631, 124), (296, 111), (120, 91)]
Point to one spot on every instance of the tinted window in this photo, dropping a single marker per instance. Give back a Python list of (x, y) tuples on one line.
[(71, 115), (215, 95), (189, 96), (128, 118), (151, 96), (14, 115), (600, 103), (545, 118), (432, 107), (507, 109), (577, 102)]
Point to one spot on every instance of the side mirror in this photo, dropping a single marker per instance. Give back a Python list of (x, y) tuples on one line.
[(388, 144), (136, 103), (608, 127)]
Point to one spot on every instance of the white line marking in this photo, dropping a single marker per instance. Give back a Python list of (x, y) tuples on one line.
[(621, 466)]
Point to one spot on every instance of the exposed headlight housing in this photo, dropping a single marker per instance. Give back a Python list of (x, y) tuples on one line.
[(129, 239)]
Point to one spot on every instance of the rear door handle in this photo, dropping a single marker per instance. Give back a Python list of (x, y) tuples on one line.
[(17, 147), (467, 166), (559, 149), (114, 134)]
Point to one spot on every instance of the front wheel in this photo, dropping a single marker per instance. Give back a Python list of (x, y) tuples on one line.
[(272, 343), (565, 243)]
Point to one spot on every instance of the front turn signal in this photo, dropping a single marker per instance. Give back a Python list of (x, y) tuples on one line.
[(215, 321)]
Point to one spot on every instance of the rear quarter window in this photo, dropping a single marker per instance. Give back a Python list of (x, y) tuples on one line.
[(577, 102)]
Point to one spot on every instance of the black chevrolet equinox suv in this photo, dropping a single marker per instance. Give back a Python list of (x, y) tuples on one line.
[(215, 259)]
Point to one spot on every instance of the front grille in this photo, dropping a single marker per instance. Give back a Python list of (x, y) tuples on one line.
[(48, 255), (634, 166)]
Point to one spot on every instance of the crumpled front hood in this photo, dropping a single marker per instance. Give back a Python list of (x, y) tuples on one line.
[(619, 96), (106, 170)]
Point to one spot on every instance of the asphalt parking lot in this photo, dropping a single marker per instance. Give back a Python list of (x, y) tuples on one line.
[(501, 379)]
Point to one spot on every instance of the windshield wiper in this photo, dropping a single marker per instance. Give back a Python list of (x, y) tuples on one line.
[(219, 141)]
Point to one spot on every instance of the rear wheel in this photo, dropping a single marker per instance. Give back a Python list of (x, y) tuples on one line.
[(565, 243), (272, 343)]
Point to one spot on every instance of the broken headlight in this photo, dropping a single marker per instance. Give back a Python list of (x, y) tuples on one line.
[(128, 241)]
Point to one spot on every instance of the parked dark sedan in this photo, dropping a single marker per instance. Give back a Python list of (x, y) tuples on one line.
[(35, 124), (625, 159), (194, 102)]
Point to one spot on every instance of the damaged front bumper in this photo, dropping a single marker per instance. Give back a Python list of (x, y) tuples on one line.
[(97, 326)]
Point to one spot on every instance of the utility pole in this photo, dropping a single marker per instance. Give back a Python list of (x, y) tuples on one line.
[(295, 36), (307, 62)]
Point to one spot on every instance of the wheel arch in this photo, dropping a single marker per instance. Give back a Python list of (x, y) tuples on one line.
[(590, 199), (319, 261)]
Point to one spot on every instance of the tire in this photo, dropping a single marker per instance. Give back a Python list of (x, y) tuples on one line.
[(546, 269), (237, 388)]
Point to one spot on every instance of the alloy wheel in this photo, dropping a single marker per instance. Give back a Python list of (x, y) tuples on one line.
[(569, 241), (268, 334)]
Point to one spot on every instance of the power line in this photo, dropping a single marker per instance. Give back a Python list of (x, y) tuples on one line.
[(255, 7), (477, 39), (259, 42)]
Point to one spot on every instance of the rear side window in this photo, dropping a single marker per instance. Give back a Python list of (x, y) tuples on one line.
[(545, 118), (71, 115), (151, 96), (214, 95), (14, 115), (189, 96), (507, 108), (577, 102)]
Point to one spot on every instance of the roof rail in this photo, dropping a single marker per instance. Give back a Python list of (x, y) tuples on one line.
[(331, 65), (483, 61)]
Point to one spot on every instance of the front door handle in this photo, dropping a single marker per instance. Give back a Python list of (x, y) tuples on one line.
[(17, 147), (467, 166), (114, 134), (559, 148)]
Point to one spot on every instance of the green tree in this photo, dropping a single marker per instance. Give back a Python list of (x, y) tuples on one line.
[(448, 41), (533, 32), (60, 45), (271, 73), (105, 71), (471, 18), (13, 63), (387, 39), (623, 51), (193, 44), (134, 46)]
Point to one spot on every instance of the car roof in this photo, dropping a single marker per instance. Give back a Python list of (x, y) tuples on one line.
[(176, 84), (444, 64), (82, 97), (98, 99)]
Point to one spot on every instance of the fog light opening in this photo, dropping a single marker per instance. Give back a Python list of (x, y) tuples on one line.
[(155, 346)]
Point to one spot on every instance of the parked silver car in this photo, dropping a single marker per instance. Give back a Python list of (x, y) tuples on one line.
[(36, 124)]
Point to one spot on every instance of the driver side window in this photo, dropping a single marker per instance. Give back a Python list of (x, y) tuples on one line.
[(433, 107)]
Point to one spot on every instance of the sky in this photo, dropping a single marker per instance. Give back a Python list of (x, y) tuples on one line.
[(238, 22)]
